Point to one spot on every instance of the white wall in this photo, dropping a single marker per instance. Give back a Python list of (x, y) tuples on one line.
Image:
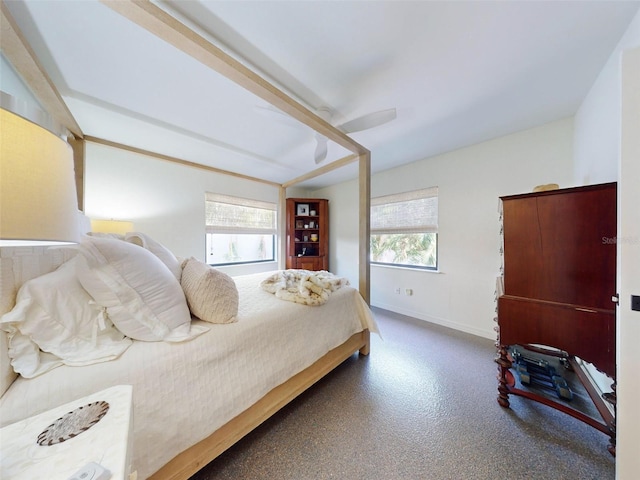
[(607, 129), (163, 199), (628, 424), (597, 122), (470, 181), (344, 241), (12, 83)]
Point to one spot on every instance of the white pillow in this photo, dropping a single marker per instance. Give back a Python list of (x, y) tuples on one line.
[(142, 297), (212, 295), (55, 322), (159, 250)]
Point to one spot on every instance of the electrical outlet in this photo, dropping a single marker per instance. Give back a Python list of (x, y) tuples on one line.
[(635, 303), (408, 291), (398, 290)]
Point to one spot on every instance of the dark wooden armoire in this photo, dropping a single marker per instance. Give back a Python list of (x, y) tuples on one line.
[(560, 286)]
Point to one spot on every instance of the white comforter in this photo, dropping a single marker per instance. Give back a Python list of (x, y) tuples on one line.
[(184, 391)]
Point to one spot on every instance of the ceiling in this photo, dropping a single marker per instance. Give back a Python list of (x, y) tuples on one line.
[(456, 72)]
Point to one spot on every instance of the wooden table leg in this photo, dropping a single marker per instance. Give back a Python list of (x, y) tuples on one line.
[(505, 377)]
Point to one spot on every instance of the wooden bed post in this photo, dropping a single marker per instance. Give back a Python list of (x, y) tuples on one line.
[(282, 227), (79, 148), (364, 270)]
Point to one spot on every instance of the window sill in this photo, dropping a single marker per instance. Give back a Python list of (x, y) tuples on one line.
[(409, 269)]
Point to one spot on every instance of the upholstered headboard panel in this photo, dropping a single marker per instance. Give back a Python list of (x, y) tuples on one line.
[(17, 265)]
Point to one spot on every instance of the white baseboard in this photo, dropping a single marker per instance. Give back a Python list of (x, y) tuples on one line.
[(491, 335)]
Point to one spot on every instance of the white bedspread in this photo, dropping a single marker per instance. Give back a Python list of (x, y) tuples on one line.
[(184, 391)]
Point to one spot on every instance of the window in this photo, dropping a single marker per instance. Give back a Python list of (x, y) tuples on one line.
[(239, 230), (404, 229)]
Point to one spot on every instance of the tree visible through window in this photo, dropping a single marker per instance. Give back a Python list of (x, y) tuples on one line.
[(239, 230), (404, 229)]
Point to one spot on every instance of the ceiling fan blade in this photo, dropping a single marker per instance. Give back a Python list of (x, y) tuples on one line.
[(279, 116), (368, 121), (321, 148)]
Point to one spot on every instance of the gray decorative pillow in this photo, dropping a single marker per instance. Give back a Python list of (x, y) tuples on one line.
[(212, 295)]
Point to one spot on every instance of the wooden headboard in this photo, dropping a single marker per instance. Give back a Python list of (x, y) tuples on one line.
[(17, 265)]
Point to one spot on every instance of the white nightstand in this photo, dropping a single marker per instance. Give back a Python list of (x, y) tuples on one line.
[(107, 442)]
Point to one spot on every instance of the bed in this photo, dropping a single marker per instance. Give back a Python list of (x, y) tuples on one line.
[(194, 399)]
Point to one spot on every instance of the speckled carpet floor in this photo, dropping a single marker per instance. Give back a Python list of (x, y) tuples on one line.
[(422, 405)]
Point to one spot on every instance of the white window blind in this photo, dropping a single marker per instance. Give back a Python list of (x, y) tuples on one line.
[(408, 212), (228, 214)]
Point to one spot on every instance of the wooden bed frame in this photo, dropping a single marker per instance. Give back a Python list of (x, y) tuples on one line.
[(162, 24), (187, 463), (33, 262)]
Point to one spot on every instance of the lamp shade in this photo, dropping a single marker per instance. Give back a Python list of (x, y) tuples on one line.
[(38, 203), (111, 226)]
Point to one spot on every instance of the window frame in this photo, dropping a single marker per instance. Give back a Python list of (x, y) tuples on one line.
[(225, 227), (406, 220)]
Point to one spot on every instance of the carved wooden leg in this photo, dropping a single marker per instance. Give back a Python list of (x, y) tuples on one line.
[(612, 398), (504, 364)]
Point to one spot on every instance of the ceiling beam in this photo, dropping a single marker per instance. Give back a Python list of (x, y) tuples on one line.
[(179, 161), (19, 53), (322, 170), (160, 23)]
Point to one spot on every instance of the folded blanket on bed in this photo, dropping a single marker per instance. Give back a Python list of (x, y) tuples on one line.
[(303, 286)]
